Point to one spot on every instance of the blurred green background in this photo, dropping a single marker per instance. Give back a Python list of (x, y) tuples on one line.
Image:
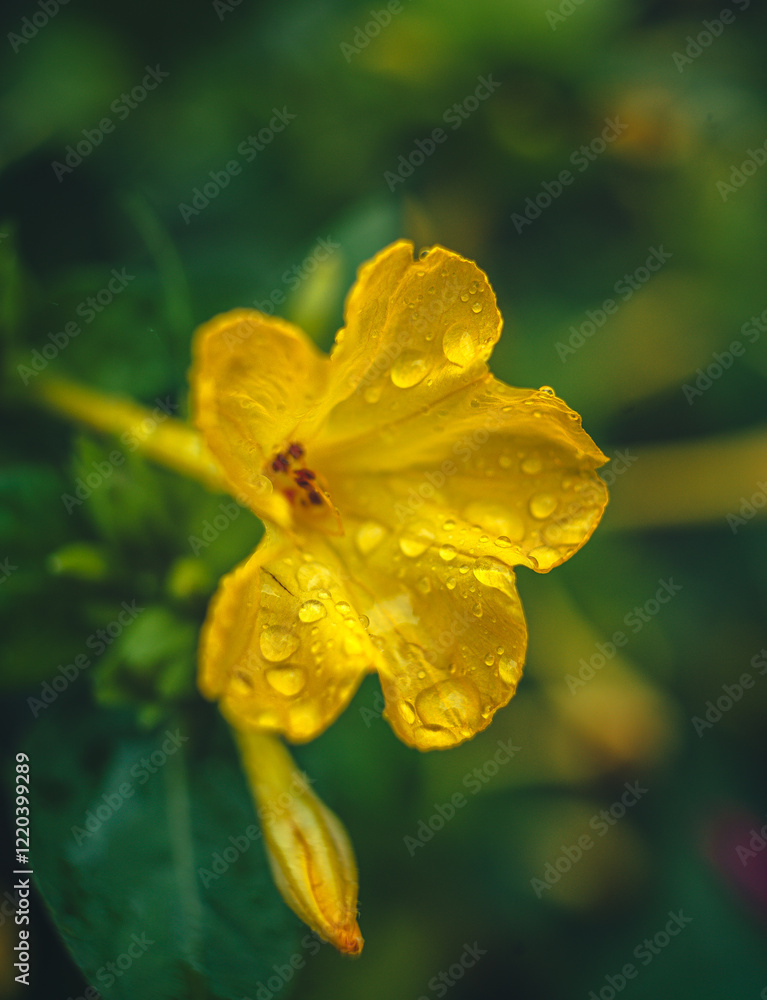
[(351, 95)]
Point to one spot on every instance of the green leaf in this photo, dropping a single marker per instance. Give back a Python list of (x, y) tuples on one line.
[(133, 822)]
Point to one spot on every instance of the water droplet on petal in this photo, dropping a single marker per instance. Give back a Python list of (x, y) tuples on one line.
[(509, 670), (476, 610), (407, 712), (277, 643), (447, 552), (343, 608), (448, 525), (546, 390), (372, 393), (289, 681), (311, 611), (450, 583), (262, 485), (409, 369), (364, 621), (416, 539), (542, 505), (368, 536), (476, 307), (424, 585), (503, 542), (459, 346), (504, 461), (531, 465), (453, 705), (544, 556), (489, 660), (495, 574), (314, 576)]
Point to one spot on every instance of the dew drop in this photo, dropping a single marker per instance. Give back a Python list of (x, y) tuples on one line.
[(277, 643), (424, 585), (364, 621), (314, 576), (262, 485), (369, 535), (504, 461), (311, 611), (476, 307), (546, 390), (343, 608), (544, 556), (450, 583), (407, 712), (503, 542), (542, 505), (476, 610), (409, 369), (494, 574), (459, 346), (447, 552), (452, 705), (372, 393), (509, 670), (416, 539), (531, 465), (288, 681), (448, 525), (489, 660)]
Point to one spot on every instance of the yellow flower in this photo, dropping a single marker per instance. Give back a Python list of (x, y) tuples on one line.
[(400, 484)]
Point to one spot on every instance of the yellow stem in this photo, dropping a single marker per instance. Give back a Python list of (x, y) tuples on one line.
[(694, 482), (162, 438)]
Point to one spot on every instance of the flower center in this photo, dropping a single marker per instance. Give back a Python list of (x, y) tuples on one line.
[(303, 488)]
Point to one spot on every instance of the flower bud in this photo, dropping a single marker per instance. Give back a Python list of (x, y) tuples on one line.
[(309, 852)]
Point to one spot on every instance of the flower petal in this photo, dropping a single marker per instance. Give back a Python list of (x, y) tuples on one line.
[(493, 471), (450, 631), (254, 380), (415, 331), (281, 648)]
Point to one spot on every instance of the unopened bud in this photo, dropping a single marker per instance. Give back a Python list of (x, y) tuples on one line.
[(309, 851)]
